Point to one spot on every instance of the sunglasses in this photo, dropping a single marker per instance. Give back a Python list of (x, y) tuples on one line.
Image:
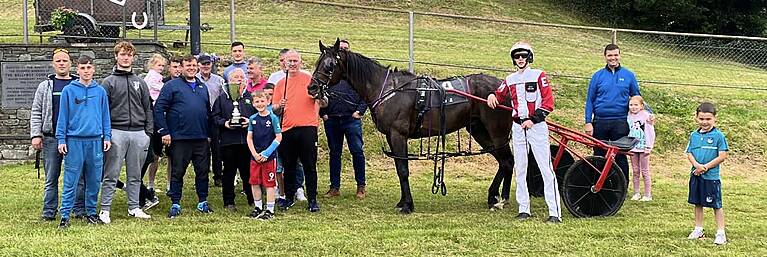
[(60, 50), (521, 55)]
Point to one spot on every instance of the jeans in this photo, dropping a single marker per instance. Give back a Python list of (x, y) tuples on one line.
[(612, 130), (336, 128), (52, 160)]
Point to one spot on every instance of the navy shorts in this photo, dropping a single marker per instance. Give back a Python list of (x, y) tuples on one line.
[(706, 193)]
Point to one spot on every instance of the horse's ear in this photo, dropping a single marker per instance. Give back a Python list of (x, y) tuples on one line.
[(322, 47), (337, 45)]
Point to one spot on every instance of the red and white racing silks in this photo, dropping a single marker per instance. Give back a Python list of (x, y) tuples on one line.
[(528, 90)]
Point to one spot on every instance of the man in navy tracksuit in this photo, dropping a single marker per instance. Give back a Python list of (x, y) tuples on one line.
[(84, 133), (181, 115), (607, 102)]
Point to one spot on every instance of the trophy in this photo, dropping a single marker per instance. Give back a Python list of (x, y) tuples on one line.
[(234, 94)]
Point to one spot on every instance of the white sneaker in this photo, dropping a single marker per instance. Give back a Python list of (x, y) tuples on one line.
[(695, 234), (646, 199), (300, 194), (104, 216), (138, 213), (636, 197), (720, 239)]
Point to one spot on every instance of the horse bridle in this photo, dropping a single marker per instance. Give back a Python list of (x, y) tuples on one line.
[(324, 85)]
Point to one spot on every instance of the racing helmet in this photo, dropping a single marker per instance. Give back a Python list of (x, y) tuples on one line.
[(522, 47)]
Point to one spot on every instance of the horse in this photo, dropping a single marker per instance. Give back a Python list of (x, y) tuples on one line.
[(391, 97)]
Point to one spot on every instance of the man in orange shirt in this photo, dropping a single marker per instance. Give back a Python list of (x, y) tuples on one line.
[(300, 117)]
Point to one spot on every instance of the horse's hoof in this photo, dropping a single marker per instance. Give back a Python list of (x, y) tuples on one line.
[(492, 201), (405, 211)]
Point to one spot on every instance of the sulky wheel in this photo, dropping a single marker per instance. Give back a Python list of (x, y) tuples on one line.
[(534, 178), (578, 196)]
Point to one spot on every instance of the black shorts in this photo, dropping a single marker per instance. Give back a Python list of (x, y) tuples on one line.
[(706, 193)]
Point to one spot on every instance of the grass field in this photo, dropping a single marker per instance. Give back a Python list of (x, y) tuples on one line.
[(456, 224)]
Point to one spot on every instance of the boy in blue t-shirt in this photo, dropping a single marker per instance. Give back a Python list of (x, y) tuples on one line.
[(264, 136), (706, 149)]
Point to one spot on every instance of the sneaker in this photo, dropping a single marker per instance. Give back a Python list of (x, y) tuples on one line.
[(104, 217), (361, 192), (230, 207), (255, 213), (175, 210), (553, 220), (333, 192), (314, 206), (636, 197), (300, 196), (285, 204), (646, 199), (79, 216), (138, 213), (265, 215), (154, 201), (720, 239), (523, 216), (695, 234), (94, 220), (64, 224), (48, 218), (203, 207)]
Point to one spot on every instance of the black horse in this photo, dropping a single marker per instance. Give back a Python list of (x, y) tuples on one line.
[(391, 96)]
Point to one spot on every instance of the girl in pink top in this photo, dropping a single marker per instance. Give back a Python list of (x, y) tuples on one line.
[(641, 128), (153, 78)]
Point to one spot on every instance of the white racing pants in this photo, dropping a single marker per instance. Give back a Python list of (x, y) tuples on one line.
[(535, 139)]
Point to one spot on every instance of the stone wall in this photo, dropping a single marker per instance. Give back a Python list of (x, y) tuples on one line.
[(14, 123)]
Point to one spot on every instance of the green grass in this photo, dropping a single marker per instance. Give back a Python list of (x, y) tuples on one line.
[(457, 224)]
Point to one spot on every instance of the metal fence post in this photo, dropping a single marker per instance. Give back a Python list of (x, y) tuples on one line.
[(194, 27), (411, 51), (231, 22), (615, 37), (26, 21), (155, 18)]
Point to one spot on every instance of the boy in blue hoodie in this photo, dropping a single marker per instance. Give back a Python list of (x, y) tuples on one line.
[(83, 132)]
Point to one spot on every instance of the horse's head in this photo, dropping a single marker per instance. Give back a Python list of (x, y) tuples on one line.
[(328, 69)]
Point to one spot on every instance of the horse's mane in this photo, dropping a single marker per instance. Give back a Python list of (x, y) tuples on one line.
[(364, 67)]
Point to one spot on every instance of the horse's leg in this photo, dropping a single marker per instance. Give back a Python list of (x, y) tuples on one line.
[(480, 134), (398, 145)]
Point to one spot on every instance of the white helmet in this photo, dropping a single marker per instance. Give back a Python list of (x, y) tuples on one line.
[(519, 47)]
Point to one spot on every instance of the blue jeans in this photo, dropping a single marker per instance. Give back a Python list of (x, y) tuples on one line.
[(336, 128), (52, 165), (85, 158)]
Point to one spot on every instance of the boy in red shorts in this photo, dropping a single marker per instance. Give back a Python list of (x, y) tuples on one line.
[(264, 135)]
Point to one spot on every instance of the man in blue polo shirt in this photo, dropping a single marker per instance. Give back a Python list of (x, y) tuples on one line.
[(607, 102)]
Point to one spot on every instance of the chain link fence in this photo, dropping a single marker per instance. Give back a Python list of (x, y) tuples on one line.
[(98, 20)]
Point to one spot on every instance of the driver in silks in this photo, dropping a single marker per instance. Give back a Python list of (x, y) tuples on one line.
[(530, 94)]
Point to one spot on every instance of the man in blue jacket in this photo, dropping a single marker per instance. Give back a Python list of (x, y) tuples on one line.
[(607, 102), (181, 115), (342, 118)]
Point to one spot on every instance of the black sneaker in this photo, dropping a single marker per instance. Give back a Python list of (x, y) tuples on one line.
[(314, 206), (230, 207), (553, 220), (64, 224), (94, 220), (523, 216), (79, 216), (255, 213), (48, 218), (266, 215)]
